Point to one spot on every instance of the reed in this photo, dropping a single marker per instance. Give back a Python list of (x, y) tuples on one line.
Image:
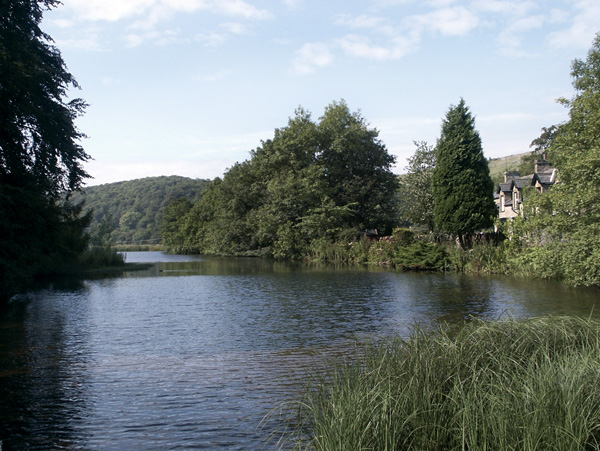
[(513, 384)]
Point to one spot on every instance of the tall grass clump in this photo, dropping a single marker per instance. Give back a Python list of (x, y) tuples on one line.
[(506, 385), (101, 256)]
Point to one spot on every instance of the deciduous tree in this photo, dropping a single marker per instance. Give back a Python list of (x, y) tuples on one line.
[(564, 224), (40, 155), (417, 187)]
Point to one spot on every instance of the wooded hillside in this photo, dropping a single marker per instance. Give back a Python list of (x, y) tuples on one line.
[(133, 209)]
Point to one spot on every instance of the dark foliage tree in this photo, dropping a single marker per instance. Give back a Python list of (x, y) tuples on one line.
[(462, 186), (40, 155)]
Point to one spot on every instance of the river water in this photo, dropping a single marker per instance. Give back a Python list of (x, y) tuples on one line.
[(194, 352)]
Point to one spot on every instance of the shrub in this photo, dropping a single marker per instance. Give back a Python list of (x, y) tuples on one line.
[(421, 256)]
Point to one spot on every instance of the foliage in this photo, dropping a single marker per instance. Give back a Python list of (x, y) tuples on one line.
[(416, 187), (312, 182), (421, 256), (402, 250), (40, 155), (561, 236), (540, 145), (515, 384), (38, 137), (462, 187), (171, 226), (357, 166), (131, 212)]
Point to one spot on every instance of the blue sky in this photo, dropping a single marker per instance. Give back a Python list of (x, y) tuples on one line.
[(189, 87)]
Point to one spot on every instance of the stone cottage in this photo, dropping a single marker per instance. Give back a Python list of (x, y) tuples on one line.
[(509, 195)]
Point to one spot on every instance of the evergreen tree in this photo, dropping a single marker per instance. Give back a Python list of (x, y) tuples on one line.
[(462, 186), (40, 155)]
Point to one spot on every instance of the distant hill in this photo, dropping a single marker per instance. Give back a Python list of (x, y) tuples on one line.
[(134, 208), (498, 166)]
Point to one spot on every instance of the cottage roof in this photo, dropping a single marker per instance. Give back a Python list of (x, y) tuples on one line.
[(547, 177)]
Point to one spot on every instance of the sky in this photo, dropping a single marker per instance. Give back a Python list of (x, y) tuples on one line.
[(190, 87)]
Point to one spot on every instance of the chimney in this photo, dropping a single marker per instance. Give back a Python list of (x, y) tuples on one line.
[(510, 175), (542, 166)]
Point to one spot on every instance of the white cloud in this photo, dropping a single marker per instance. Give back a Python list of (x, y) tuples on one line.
[(157, 10), (398, 39), (511, 38), (361, 46), (216, 76), (235, 28), (211, 40), (240, 8), (504, 7), (363, 21), (142, 18), (585, 23), (293, 4), (311, 56), (451, 21)]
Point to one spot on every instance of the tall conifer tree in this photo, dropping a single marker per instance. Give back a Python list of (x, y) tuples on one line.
[(462, 186)]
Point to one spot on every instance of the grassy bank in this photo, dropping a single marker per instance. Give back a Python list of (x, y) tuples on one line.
[(528, 384)]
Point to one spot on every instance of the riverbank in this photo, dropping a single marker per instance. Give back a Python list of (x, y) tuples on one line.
[(514, 384)]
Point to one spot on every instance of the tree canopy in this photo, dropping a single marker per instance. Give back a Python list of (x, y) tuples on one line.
[(416, 190), (462, 187), (563, 225), (38, 137), (310, 181), (40, 154)]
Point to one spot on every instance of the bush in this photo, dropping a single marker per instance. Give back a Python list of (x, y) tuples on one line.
[(421, 256), (528, 384)]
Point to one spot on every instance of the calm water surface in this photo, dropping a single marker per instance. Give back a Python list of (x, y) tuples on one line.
[(194, 352)]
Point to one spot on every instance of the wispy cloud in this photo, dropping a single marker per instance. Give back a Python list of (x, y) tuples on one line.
[(362, 47), (510, 40), (379, 38), (143, 19), (391, 29), (585, 22), (213, 77), (113, 10), (448, 21), (311, 56)]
